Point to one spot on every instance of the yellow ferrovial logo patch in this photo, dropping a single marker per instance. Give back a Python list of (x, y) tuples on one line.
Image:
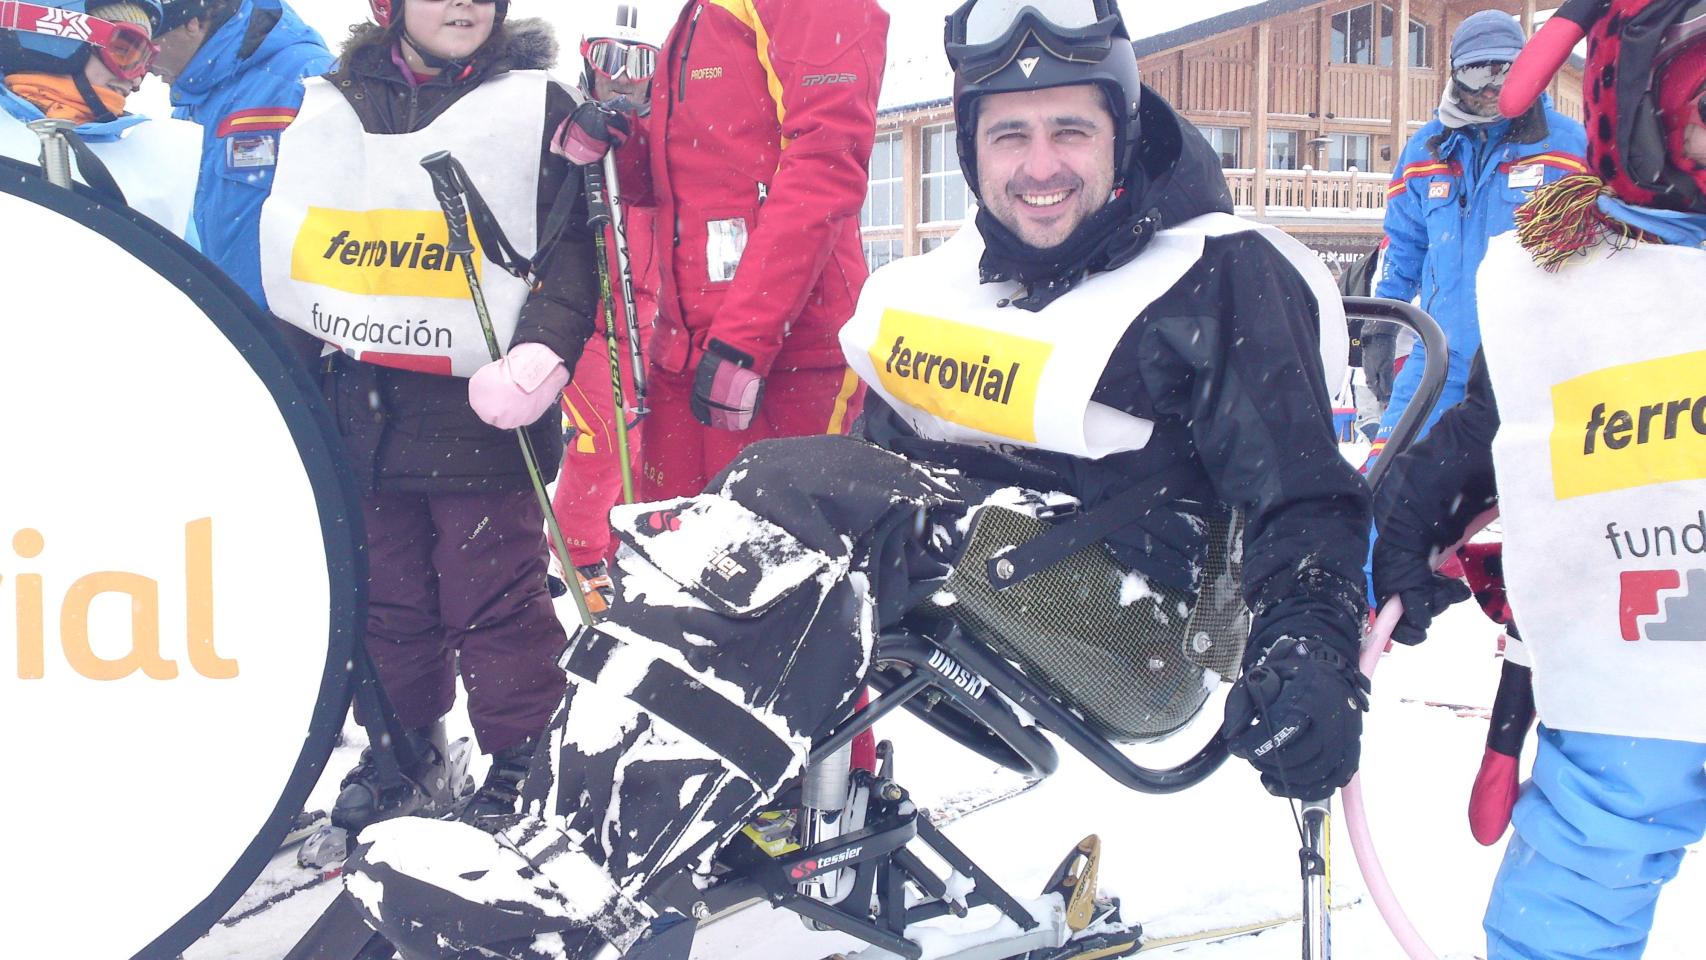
[(1630, 426), (967, 375), (380, 253)]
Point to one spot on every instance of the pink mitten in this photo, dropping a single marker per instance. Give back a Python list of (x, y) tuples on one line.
[(517, 390)]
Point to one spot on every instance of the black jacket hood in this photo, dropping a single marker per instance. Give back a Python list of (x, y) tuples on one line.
[(1174, 176)]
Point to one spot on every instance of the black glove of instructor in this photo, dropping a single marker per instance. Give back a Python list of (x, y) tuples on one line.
[(1407, 575), (1296, 715)]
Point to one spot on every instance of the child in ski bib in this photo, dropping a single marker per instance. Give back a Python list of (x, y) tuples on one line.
[(355, 256), (1594, 451)]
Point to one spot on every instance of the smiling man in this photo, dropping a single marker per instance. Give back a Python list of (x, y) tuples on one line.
[(1160, 357)]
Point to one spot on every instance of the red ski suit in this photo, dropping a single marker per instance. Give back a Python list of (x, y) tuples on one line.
[(763, 117)]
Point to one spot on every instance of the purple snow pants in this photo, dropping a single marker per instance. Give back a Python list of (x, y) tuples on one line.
[(464, 573)]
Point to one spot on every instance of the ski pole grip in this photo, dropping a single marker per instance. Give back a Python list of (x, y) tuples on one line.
[(440, 166), (598, 214)]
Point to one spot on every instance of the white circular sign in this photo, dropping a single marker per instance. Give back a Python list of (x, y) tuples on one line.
[(178, 581)]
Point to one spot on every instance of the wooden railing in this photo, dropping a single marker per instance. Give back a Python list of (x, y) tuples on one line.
[(1310, 190), (1354, 92)]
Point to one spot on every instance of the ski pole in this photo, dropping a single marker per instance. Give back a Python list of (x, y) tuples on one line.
[(1317, 897), (625, 269), (440, 167), (601, 218)]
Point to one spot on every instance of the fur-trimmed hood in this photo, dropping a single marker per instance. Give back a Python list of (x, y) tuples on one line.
[(518, 44)]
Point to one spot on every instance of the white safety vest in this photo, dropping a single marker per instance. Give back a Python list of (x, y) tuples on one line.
[(354, 243), (1600, 375), (155, 163), (957, 364)]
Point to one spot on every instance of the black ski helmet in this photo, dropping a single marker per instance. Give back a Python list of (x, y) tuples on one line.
[(1007, 46)]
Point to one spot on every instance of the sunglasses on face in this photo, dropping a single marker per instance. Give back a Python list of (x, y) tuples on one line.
[(1476, 77), (616, 59)]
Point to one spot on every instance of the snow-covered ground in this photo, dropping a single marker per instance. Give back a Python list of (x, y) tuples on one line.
[(1219, 855)]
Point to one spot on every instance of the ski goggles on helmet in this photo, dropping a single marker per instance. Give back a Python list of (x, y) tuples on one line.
[(125, 48), (1481, 77), (984, 36), (619, 59)]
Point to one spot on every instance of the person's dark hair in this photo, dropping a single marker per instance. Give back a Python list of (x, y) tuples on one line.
[(212, 13)]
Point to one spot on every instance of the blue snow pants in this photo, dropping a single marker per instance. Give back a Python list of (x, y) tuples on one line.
[(1600, 827)]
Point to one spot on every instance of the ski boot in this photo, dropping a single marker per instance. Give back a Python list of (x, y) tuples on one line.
[(497, 797), (596, 585), (431, 788)]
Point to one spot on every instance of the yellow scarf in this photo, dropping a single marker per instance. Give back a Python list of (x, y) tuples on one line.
[(57, 96)]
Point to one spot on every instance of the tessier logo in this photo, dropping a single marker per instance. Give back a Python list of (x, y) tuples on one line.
[(1662, 605)]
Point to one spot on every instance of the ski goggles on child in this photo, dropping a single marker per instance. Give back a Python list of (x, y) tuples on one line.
[(1476, 77), (125, 48), (983, 36), (619, 59)]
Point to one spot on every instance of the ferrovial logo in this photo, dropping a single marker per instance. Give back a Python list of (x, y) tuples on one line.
[(963, 374), (144, 651), (1663, 606), (1630, 426), (380, 253)]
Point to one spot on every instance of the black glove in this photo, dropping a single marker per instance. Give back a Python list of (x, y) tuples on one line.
[(1407, 575), (726, 392), (1296, 715), (590, 132), (1379, 344)]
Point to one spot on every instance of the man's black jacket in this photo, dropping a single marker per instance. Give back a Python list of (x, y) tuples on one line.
[(1227, 364)]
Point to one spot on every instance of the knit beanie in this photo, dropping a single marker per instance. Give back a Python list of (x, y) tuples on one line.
[(125, 11), (1489, 36), (1679, 82)]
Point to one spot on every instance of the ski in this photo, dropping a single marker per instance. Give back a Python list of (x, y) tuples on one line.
[(1460, 709), (960, 806), (1233, 931)]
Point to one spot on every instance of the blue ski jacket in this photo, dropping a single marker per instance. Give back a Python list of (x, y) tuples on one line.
[(244, 87), (1452, 191)]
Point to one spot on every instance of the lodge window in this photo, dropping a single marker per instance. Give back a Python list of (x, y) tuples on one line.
[(1285, 149), (927, 244), (879, 252), (885, 196), (1357, 39), (944, 185), (1347, 150), (1226, 142)]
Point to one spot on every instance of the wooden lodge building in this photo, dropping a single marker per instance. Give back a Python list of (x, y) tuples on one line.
[(1309, 103)]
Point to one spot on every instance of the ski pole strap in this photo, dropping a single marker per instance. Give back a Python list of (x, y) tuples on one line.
[(95, 173), (1150, 505), (677, 698), (557, 219), (452, 184)]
